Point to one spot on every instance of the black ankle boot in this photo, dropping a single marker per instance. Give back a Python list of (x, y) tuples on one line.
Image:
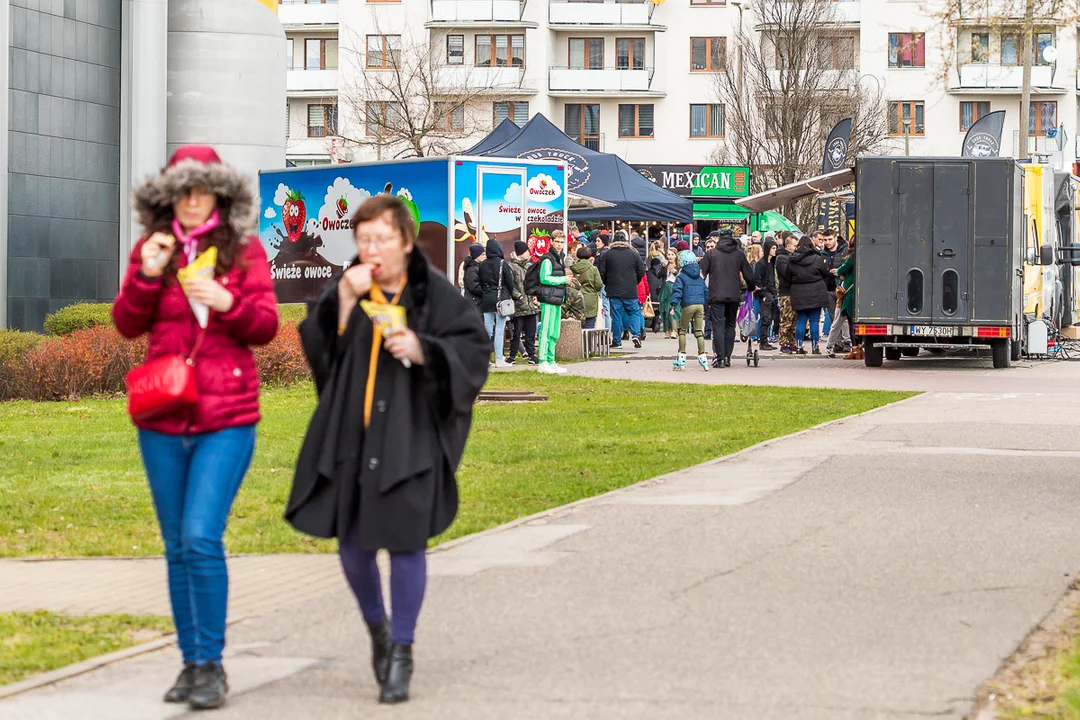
[(181, 689), (380, 649), (210, 687), (396, 689)]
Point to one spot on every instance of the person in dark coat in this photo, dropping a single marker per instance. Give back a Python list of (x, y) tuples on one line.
[(493, 292), (473, 290), (765, 281), (621, 269), (377, 466), (657, 276), (783, 293), (724, 265), (807, 274), (638, 243)]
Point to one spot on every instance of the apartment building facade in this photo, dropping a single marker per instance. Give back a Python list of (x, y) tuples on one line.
[(639, 79)]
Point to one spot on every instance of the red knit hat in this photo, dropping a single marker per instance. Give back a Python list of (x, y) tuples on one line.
[(688, 229), (202, 153)]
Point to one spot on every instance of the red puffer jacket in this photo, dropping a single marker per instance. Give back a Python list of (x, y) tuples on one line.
[(225, 371)]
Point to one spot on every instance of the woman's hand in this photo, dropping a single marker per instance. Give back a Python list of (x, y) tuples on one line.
[(355, 283), (156, 252), (210, 293), (405, 346)]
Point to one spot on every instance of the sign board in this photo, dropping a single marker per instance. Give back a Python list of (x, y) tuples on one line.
[(831, 215), (705, 181)]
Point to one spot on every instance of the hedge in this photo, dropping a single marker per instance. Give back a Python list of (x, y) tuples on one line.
[(13, 346), (81, 316)]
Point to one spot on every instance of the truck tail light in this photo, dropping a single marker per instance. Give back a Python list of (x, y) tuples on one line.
[(871, 329), (993, 332)]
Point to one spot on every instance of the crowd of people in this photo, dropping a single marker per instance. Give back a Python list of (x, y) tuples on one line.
[(784, 288)]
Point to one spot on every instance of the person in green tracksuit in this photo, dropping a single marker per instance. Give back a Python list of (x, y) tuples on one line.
[(554, 277)]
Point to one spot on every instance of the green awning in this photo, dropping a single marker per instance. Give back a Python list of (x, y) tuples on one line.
[(770, 221), (719, 211)]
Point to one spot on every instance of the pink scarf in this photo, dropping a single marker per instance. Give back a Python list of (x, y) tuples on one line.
[(190, 243)]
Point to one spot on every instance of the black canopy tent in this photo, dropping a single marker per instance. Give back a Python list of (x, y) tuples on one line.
[(506, 131), (594, 175)]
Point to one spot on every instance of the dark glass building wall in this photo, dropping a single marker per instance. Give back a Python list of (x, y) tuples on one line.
[(64, 156)]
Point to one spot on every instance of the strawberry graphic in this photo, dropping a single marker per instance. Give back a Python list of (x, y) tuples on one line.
[(342, 207), (543, 184), (539, 242), (294, 214)]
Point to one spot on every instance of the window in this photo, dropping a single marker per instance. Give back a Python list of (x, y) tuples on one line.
[(383, 51), (950, 291), (915, 291), (774, 121), (450, 116), (322, 120), (906, 118), (500, 51), (1010, 50), (288, 53), (980, 47), (708, 54), (517, 112), (587, 53), (839, 53), (629, 54), (1011, 44), (906, 50), (383, 118), (455, 49), (1041, 41), (320, 54), (582, 123), (635, 121), (970, 112), (1042, 116), (706, 121)]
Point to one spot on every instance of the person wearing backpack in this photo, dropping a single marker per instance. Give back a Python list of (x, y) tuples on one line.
[(526, 309), (548, 278)]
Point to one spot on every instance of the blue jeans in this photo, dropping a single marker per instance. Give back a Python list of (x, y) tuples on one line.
[(626, 314), (194, 480), (607, 307), (801, 319), (828, 321), (495, 321)]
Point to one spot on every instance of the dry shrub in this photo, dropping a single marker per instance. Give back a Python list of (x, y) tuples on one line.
[(85, 362), (282, 362)]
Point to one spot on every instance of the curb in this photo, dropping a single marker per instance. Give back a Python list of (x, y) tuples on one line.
[(65, 673), (81, 668)]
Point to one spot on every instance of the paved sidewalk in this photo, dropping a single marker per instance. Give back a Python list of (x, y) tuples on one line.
[(880, 567)]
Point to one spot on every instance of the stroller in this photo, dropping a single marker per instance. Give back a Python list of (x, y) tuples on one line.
[(748, 327)]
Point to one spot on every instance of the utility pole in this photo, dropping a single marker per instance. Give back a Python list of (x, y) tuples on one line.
[(1025, 93)]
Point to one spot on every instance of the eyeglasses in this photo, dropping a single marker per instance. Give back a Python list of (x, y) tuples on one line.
[(383, 242)]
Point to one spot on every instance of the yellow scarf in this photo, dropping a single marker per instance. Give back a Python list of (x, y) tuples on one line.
[(376, 344)]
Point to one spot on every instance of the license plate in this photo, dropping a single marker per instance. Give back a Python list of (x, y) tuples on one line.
[(932, 331)]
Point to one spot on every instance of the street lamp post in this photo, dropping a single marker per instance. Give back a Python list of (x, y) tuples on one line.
[(739, 6)]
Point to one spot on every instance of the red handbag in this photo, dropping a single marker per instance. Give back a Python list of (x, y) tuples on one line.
[(164, 385)]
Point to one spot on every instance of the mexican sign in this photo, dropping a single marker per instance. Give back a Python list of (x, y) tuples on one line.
[(699, 180)]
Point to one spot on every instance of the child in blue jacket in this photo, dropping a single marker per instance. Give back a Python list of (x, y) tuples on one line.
[(690, 293)]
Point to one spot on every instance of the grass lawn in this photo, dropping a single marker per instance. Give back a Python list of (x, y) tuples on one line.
[(71, 483), (36, 642)]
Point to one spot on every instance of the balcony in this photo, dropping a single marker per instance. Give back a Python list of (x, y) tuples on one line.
[(611, 82), (475, 12), (294, 15), (1002, 79), (311, 83), (843, 14), (473, 79), (573, 14), (825, 79)]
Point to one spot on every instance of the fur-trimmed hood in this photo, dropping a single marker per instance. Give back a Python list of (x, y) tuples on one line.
[(227, 183)]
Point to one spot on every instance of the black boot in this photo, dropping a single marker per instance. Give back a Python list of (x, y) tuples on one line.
[(181, 689), (396, 689), (380, 649), (210, 687)]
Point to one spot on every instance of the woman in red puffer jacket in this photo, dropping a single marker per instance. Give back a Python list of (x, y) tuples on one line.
[(196, 457)]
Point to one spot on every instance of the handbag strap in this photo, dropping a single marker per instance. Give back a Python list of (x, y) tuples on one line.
[(498, 289), (199, 341)]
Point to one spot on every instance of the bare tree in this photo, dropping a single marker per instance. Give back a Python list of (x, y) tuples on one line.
[(790, 75), (406, 98), (1019, 30)]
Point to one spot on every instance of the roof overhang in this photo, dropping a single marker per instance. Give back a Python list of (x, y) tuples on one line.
[(584, 202), (778, 197)]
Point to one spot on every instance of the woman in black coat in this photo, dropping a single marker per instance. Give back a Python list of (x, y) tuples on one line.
[(807, 272), (376, 469), (496, 284)]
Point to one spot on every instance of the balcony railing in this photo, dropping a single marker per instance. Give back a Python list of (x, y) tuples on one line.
[(301, 13), (474, 11), (311, 81), (824, 79), (473, 78), (593, 142), (605, 12), (1003, 76), (841, 13), (599, 80)]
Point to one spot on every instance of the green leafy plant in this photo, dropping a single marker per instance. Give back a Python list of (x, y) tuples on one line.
[(79, 316)]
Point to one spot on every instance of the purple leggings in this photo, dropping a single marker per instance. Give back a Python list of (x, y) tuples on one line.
[(408, 579)]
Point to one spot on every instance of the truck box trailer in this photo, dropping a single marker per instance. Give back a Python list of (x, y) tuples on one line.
[(305, 221), (940, 256)]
